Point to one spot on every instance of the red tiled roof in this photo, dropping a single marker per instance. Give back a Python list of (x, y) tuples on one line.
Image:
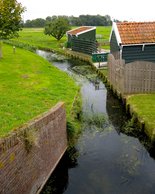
[(79, 30), (136, 32)]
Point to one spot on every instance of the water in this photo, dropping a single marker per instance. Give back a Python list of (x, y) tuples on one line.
[(104, 159)]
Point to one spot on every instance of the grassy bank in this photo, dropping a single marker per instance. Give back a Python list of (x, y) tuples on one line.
[(29, 86), (143, 105), (104, 71)]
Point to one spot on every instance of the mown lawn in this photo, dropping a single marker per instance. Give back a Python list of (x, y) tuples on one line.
[(144, 106), (29, 86)]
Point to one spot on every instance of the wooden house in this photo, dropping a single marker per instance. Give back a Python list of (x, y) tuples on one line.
[(133, 41), (82, 39)]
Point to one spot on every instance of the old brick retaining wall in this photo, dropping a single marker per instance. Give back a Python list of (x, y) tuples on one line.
[(28, 156)]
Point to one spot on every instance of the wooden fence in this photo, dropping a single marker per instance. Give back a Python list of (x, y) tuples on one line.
[(130, 78)]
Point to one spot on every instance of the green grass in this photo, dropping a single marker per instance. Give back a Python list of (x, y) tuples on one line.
[(144, 106), (104, 31), (103, 34), (36, 37), (104, 71), (29, 86)]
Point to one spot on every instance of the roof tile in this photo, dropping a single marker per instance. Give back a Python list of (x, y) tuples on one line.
[(136, 32), (79, 30)]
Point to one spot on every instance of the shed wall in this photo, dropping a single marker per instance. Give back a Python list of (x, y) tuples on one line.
[(90, 35), (132, 53), (84, 46), (114, 48), (136, 53)]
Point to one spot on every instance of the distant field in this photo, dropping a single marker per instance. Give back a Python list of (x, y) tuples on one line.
[(103, 34), (104, 31), (36, 37)]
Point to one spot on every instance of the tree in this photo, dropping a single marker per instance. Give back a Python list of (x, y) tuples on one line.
[(57, 27), (10, 19), (36, 23)]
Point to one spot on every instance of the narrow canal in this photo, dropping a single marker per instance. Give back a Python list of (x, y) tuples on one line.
[(108, 157)]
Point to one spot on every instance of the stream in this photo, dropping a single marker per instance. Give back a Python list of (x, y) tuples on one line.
[(107, 158)]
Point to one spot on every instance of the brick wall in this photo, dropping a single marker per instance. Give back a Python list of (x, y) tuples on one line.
[(28, 156)]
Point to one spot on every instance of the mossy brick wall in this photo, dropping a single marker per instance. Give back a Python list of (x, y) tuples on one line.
[(28, 156)]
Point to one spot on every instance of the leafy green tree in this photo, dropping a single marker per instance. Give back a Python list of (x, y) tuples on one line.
[(36, 23), (57, 27), (10, 19)]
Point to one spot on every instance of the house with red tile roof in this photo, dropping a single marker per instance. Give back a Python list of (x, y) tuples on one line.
[(133, 41), (82, 39)]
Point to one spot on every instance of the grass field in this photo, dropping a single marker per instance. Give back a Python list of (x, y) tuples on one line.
[(103, 34), (36, 37), (29, 85)]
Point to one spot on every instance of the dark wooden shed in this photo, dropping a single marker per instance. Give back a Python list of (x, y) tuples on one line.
[(133, 41), (82, 39)]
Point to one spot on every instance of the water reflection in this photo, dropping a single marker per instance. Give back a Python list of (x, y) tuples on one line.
[(58, 182), (122, 124), (115, 111)]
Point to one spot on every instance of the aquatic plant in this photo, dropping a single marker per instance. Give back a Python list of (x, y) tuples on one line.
[(74, 120), (95, 121)]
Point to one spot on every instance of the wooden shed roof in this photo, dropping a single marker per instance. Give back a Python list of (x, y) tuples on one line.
[(135, 32), (81, 30)]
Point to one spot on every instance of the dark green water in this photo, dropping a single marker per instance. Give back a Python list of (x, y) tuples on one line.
[(107, 158)]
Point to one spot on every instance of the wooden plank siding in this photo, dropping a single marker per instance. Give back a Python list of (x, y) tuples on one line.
[(113, 43), (131, 78), (114, 48), (84, 46), (91, 35), (136, 53)]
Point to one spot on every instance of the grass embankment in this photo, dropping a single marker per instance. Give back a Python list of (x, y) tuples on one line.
[(144, 106), (29, 86), (104, 71)]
